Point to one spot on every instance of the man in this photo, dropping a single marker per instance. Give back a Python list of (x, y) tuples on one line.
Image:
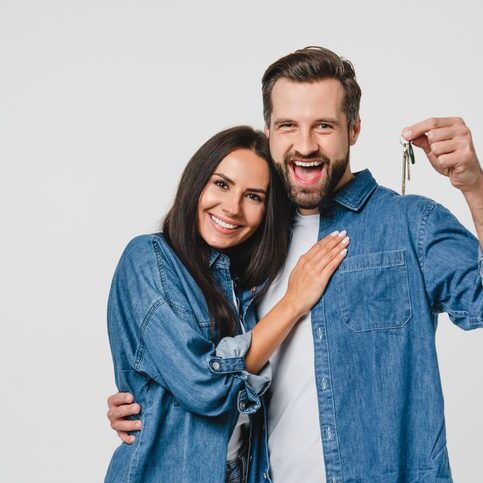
[(356, 393)]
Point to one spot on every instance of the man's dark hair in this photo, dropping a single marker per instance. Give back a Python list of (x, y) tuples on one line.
[(312, 64)]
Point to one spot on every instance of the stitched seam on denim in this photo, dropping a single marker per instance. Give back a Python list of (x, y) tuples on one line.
[(164, 280), (391, 258), (227, 361), (333, 407), (142, 328), (423, 223), (358, 203), (139, 439), (457, 313)]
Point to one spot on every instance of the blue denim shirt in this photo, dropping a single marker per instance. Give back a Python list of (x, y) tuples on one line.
[(190, 392), (378, 384)]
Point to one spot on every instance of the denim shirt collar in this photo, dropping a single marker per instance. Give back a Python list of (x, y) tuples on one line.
[(218, 261), (222, 259), (354, 194)]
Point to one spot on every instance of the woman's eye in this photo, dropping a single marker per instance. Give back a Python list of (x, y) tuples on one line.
[(254, 197), (221, 184)]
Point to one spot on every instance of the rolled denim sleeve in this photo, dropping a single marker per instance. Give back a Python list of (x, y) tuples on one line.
[(452, 263), (157, 334), (256, 384), (203, 380)]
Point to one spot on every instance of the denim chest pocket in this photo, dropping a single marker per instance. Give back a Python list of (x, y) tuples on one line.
[(373, 291)]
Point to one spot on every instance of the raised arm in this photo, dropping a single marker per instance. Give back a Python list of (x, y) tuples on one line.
[(449, 147)]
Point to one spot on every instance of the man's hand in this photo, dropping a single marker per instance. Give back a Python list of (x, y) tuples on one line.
[(448, 145), (121, 405)]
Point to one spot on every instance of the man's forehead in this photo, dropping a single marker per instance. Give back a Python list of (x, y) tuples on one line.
[(319, 98)]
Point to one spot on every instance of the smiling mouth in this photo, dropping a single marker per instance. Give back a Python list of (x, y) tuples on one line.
[(307, 172), (225, 226)]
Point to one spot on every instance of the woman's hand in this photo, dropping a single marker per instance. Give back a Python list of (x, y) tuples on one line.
[(310, 276)]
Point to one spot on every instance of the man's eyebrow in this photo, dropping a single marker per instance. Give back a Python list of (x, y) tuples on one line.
[(283, 120), (230, 181), (328, 120)]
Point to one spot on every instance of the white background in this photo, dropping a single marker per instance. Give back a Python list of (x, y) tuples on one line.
[(101, 105)]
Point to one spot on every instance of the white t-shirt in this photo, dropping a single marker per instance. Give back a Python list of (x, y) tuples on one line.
[(237, 439), (294, 437)]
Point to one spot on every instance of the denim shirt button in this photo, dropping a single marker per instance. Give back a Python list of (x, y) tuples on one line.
[(216, 366), (265, 476), (253, 289), (243, 405)]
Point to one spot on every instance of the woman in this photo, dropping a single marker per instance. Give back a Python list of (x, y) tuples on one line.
[(182, 324)]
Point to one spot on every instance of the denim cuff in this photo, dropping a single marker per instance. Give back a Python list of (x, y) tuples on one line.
[(232, 349)]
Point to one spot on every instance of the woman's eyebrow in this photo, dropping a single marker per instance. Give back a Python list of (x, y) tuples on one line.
[(230, 181)]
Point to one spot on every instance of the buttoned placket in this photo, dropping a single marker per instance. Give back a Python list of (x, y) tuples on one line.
[(327, 416)]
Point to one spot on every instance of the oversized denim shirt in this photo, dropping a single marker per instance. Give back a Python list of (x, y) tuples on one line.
[(191, 392), (378, 385)]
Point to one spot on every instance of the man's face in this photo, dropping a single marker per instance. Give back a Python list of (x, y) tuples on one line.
[(309, 139)]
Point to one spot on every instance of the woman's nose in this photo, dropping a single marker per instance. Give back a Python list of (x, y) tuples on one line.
[(232, 207)]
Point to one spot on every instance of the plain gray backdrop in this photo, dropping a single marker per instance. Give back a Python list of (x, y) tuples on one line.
[(102, 103)]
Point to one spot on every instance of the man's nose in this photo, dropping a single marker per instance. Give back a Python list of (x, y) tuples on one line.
[(305, 144)]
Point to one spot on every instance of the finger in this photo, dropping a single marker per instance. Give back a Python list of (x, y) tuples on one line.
[(412, 132), (333, 254), (123, 411), (126, 425), (125, 437), (444, 147), (324, 245), (324, 257), (446, 162), (333, 264), (120, 399), (441, 134), (423, 143)]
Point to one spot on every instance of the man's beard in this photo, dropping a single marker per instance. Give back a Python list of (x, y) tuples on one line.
[(311, 198)]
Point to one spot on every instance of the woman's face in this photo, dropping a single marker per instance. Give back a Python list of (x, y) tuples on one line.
[(232, 204)]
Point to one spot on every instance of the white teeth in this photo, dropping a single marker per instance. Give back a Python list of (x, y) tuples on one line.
[(305, 164), (222, 223)]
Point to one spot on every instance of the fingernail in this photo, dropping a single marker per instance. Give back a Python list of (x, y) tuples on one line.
[(334, 233), (136, 407), (345, 241), (343, 233), (407, 134), (139, 424), (132, 439), (343, 252)]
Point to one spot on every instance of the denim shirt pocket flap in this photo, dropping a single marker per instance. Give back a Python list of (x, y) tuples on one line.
[(374, 291)]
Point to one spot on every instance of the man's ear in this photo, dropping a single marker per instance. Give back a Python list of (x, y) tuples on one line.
[(354, 131), (266, 131)]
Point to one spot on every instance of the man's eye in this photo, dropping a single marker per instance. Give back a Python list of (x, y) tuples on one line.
[(323, 125), (286, 125)]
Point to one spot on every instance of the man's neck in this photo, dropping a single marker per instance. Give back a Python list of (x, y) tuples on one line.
[(346, 178)]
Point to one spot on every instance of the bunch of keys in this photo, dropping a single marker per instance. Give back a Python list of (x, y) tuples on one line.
[(408, 159)]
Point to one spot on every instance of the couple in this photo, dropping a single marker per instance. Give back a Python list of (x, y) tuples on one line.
[(352, 390)]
